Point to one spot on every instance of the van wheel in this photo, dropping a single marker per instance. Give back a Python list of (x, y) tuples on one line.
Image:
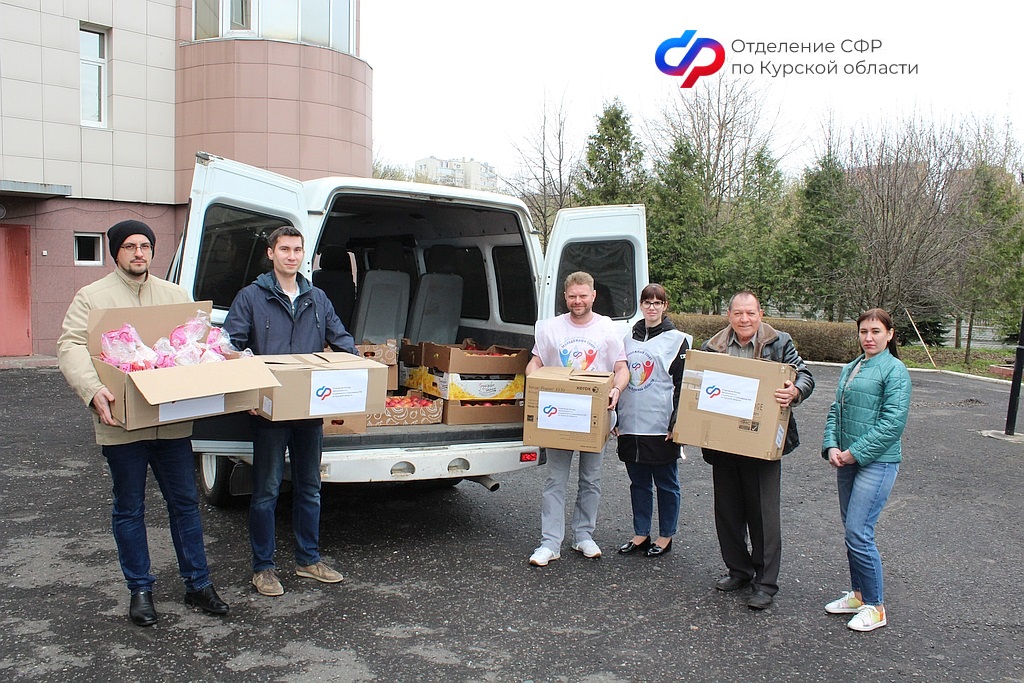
[(215, 476)]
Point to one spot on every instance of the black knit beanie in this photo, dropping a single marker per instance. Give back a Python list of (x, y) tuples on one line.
[(119, 232)]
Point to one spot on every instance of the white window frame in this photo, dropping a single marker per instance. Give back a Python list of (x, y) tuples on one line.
[(103, 64), (99, 248), (256, 31)]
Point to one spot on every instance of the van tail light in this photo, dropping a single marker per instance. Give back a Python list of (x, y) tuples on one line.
[(528, 456)]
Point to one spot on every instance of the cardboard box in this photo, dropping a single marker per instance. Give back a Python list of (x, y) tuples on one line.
[(345, 424), (728, 404), (410, 354), (149, 398), (408, 415), (323, 385), (494, 360), (386, 354), (568, 409), (475, 413), (461, 387)]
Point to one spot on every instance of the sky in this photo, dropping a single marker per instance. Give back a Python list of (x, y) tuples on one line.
[(468, 79)]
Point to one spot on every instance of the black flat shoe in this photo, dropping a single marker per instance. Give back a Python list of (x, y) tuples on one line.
[(759, 600), (206, 600), (629, 546), (731, 583), (141, 610), (656, 550)]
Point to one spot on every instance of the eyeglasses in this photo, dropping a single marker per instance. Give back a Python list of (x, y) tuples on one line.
[(652, 304), (129, 248)]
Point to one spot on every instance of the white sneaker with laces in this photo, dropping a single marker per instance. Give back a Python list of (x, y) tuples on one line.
[(867, 619), (541, 556), (848, 604), (588, 548)]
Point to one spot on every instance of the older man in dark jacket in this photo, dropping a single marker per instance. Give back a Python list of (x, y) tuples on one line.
[(281, 312), (747, 490)]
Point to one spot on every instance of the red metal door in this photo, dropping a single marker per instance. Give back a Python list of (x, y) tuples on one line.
[(15, 285)]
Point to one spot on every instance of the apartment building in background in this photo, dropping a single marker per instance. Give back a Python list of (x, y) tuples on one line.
[(104, 104), (470, 174)]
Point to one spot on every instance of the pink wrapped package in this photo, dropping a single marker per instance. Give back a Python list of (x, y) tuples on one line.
[(124, 349), (191, 332)]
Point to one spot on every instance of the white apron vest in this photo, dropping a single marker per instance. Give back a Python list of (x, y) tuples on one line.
[(645, 408)]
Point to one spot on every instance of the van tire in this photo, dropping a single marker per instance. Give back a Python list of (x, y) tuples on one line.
[(215, 478)]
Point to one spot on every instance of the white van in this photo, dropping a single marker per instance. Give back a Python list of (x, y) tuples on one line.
[(402, 231)]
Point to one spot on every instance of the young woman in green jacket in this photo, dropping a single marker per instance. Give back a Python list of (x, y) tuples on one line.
[(862, 441)]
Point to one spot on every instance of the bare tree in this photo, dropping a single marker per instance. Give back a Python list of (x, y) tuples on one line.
[(548, 168), (912, 184)]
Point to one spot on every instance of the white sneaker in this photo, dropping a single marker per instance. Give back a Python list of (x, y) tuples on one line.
[(541, 556), (868, 619), (588, 548), (847, 604)]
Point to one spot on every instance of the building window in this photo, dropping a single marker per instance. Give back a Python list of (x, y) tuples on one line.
[(330, 23), (88, 249), (93, 86)]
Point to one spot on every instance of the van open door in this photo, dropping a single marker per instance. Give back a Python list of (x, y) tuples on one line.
[(232, 208), (610, 243)]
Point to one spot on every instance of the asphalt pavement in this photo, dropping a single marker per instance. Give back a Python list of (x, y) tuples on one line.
[(437, 586)]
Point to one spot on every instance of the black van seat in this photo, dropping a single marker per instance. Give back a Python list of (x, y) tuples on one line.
[(335, 277)]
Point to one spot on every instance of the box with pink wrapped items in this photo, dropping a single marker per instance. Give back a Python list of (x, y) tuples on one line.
[(168, 364)]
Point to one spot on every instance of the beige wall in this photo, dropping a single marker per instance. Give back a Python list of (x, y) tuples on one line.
[(42, 139)]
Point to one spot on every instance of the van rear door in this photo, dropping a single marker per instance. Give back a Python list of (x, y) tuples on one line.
[(232, 208), (610, 243)]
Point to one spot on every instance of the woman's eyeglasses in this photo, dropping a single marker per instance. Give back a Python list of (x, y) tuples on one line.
[(652, 304)]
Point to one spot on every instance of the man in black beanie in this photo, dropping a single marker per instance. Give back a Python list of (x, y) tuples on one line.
[(166, 449)]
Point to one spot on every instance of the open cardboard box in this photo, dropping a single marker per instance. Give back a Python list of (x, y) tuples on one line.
[(386, 354), (568, 409), (494, 360), (728, 404), (476, 412), (149, 398), (408, 414)]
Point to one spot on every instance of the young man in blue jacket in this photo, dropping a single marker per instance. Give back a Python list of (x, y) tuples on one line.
[(282, 313)]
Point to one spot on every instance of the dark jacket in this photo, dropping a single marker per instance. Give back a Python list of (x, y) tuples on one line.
[(771, 344), (262, 319), (870, 410), (646, 449)]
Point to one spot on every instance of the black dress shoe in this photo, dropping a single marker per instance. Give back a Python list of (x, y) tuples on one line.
[(731, 583), (628, 547), (206, 600), (759, 600), (655, 550), (141, 610)]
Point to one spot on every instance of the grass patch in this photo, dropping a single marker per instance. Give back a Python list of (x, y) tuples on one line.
[(953, 359)]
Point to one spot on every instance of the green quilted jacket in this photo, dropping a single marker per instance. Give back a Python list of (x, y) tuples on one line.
[(870, 410)]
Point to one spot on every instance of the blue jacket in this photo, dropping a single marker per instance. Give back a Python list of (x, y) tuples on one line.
[(870, 410), (262, 319)]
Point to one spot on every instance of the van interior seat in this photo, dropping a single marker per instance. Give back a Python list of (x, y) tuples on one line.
[(436, 309), (335, 277), (437, 304), (382, 308)]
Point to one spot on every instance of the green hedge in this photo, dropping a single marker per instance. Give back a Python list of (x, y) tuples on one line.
[(815, 340)]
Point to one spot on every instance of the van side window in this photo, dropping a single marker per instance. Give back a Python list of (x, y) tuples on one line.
[(467, 262), (612, 265), (517, 301), (232, 252)]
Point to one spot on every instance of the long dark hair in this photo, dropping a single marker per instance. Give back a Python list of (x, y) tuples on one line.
[(883, 317)]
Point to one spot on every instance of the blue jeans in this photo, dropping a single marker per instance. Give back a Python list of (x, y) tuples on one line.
[(863, 492), (642, 480), (174, 468), (304, 441)]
